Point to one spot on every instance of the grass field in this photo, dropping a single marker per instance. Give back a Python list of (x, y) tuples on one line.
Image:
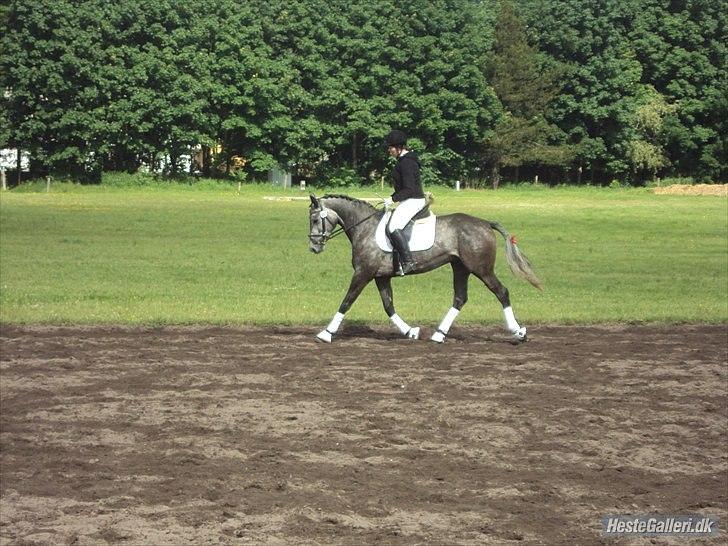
[(184, 255)]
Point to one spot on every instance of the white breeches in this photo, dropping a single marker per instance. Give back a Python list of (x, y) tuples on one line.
[(404, 212)]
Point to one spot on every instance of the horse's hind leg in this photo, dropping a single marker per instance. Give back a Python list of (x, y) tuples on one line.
[(501, 292), (385, 291), (460, 276)]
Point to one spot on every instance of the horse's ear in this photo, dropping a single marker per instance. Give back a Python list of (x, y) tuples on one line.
[(314, 202)]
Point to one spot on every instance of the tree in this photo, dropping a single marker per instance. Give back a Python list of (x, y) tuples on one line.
[(357, 69), (646, 150), (683, 46), (49, 97), (612, 49), (525, 89), (590, 41), (91, 85)]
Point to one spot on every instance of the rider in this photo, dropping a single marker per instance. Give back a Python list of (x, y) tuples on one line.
[(407, 193)]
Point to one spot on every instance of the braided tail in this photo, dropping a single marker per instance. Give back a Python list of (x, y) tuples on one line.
[(517, 261)]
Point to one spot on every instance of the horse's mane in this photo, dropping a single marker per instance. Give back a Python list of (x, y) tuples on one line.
[(348, 198)]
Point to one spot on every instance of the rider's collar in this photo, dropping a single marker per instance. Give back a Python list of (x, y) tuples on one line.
[(403, 153)]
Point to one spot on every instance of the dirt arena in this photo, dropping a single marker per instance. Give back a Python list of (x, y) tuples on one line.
[(230, 436)]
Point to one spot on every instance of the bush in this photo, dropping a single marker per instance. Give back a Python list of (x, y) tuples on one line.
[(128, 180), (149, 180), (343, 177), (39, 185)]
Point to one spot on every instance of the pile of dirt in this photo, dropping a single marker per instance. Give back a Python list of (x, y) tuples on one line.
[(699, 189)]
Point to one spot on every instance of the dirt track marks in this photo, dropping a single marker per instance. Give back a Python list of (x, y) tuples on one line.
[(210, 435)]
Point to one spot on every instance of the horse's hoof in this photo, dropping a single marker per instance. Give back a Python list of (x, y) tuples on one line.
[(324, 336), (519, 336), (414, 333), (438, 337)]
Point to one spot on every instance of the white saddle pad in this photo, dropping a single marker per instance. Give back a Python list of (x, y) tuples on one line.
[(423, 233)]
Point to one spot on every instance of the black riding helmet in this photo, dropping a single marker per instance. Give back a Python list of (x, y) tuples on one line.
[(396, 138)]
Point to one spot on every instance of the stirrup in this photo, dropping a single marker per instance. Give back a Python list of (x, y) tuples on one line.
[(407, 267)]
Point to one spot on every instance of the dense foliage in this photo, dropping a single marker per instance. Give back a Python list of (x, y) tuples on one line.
[(627, 89)]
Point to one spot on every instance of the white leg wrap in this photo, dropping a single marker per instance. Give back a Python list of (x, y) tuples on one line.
[(327, 334), (333, 326), (511, 322), (513, 327), (402, 326), (444, 328)]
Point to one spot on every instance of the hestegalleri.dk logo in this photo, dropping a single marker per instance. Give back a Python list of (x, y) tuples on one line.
[(695, 525)]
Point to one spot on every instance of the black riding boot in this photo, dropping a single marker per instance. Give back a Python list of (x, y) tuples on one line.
[(400, 244)]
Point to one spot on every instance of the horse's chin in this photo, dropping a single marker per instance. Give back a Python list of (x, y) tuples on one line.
[(316, 249)]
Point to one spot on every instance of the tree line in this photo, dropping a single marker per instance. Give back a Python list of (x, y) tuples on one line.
[(573, 90)]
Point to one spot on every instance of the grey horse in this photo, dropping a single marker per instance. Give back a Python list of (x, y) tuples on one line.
[(467, 243)]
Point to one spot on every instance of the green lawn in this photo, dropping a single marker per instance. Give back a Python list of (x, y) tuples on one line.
[(181, 255)]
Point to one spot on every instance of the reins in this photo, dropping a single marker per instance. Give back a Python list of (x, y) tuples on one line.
[(339, 230)]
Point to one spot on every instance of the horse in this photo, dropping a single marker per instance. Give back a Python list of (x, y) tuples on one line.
[(467, 243)]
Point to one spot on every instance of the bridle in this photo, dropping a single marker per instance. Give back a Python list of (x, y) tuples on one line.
[(324, 236)]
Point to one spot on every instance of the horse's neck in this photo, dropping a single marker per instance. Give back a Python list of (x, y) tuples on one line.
[(350, 212)]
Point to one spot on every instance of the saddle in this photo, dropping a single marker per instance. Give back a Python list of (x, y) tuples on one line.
[(419, 232)]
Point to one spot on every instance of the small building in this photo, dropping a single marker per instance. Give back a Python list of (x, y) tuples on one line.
[(9, 160), (279, 177)]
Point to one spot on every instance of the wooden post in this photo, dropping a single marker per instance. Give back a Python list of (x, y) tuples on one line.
[(4, 182), (48, 184), (495, 175), (19, 167)]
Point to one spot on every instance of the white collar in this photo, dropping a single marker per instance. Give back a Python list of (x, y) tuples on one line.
[(403, 153)]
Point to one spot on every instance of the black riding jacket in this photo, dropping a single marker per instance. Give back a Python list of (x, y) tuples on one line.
[(406, 175)]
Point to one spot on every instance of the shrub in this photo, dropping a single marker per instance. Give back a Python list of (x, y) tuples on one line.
[(343, 177)]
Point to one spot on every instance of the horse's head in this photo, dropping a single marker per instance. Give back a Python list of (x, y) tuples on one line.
[(322, 221)]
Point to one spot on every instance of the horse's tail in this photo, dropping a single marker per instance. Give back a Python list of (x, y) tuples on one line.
[(517, 261)]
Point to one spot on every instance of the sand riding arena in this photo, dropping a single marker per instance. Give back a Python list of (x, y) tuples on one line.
[(263, 436)]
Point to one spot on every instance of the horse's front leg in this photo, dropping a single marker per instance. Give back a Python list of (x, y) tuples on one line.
[(385, 291), (358, 282)]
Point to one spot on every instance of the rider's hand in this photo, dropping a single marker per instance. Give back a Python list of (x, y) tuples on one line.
[(388, 203)]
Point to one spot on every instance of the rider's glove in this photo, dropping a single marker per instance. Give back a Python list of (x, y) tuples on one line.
[(388, 203)]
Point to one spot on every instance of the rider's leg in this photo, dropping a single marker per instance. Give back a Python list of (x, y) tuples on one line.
[(401, 216), (400, 244)]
